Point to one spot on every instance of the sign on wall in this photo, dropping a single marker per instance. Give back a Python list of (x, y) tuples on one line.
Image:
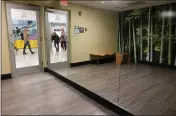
[(81, 29), (18, 14), (76, 29), (57, 18)]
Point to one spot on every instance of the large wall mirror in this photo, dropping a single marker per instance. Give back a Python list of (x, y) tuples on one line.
[(113, 57)]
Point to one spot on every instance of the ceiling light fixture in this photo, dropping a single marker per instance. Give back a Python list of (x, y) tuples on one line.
[(168, 14), (102, 2)]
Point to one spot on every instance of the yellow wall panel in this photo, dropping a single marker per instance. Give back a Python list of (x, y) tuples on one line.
[(20, 44)]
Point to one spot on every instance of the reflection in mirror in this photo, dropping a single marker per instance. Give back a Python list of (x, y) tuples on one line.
[(58, 52), (110, 58), (94, 54), (146, 89), (57, 41)]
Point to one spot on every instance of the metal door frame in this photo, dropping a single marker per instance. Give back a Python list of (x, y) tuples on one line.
[(25, 70), (58, 65)]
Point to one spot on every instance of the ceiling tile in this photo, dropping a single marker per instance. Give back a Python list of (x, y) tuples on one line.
[(121, 5)]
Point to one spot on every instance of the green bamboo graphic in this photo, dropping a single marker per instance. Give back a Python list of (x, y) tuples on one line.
[(123, 45), (122, 40), (175, 41), (148, 39), (129, 36), (134, 43), (170, 37), (162, 40), (119, 41), (151, 38), (141, 42)]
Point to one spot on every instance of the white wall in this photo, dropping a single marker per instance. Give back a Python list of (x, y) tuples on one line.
[(102, 31)]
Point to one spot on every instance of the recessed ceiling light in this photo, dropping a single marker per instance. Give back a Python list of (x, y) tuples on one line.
[(168, 14), (102, 2)]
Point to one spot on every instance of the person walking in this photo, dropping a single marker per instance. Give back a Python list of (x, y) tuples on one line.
[(63, 40), (26, 41), (17, 31), (56, 40)]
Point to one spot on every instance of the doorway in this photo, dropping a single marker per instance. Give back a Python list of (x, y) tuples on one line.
[(56, 30), (24, 34)]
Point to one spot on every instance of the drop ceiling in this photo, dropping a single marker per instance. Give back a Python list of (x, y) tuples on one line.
[(121, 5)]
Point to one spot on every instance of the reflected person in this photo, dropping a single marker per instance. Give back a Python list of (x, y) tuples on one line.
[(26, 41), (14, 32), (56, 40), (17, 31), (63, 40)]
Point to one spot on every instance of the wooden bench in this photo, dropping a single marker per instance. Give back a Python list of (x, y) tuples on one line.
[(97, 57)]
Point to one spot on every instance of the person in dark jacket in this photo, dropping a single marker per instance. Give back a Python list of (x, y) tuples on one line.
[(17, 31), (56, 40)]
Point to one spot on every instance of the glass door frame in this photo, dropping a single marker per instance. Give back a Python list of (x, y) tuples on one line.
[(57, 65), (24, 70)]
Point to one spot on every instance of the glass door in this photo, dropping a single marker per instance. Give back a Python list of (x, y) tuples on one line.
[(24, 34), (57, 38)]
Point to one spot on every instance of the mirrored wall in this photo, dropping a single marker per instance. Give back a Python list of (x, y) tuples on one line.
[(149, 36), (112, 54), (94, 65)]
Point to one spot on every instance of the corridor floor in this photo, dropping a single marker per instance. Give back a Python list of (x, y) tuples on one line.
[(43, 94), (138, 88)]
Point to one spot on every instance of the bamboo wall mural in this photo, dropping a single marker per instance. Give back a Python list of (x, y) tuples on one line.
[(149, 34)]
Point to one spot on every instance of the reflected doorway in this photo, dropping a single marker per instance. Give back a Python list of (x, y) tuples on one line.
[(56, 38)]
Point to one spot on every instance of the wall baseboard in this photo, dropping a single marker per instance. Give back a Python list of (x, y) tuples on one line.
[(79, 63), (6, 76), (45, 69), (159, 65), (107, 104), (102, 61)]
